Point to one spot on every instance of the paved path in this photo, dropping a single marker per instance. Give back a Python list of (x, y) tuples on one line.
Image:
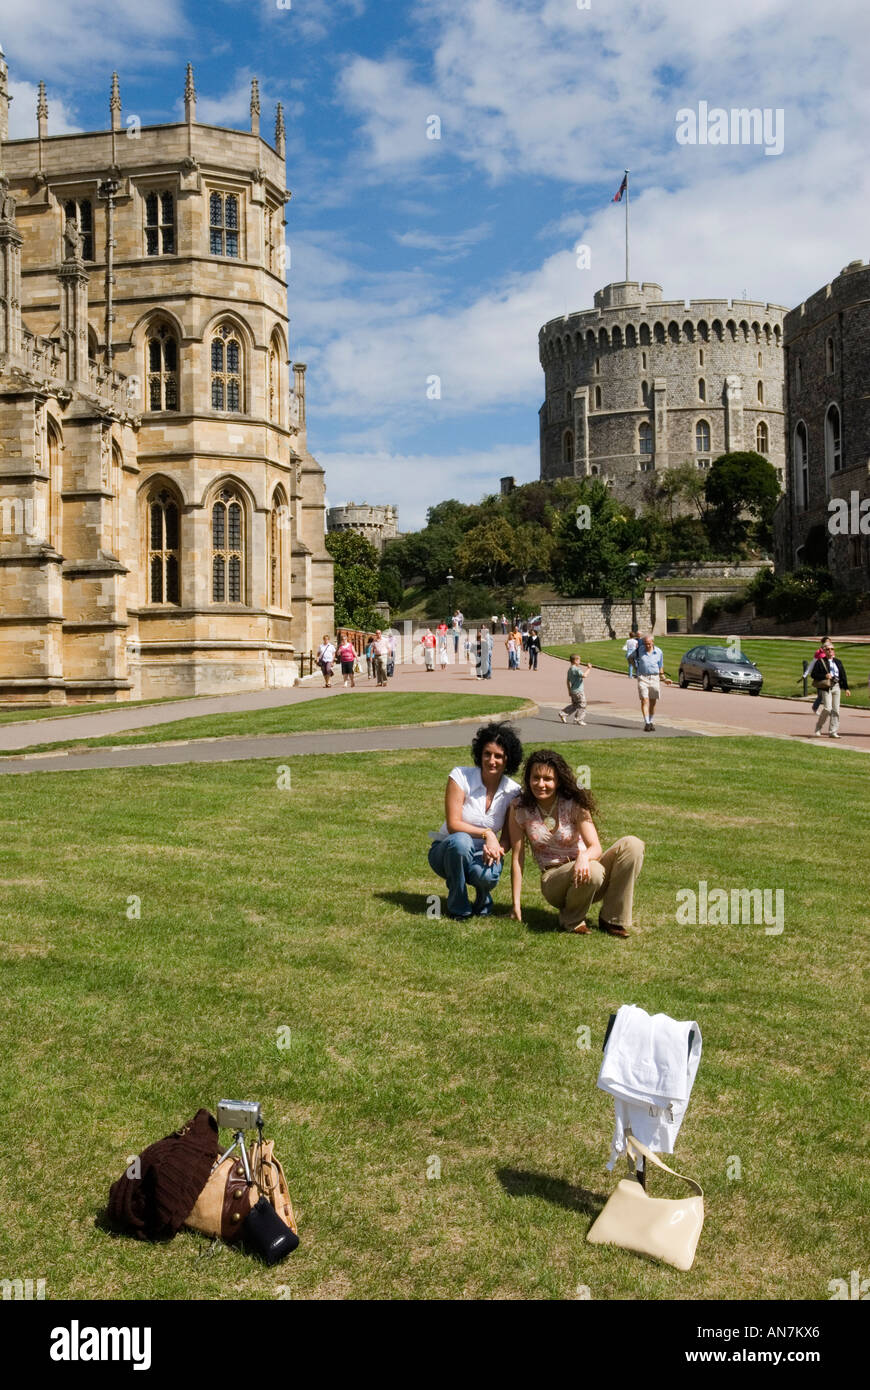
[(613, 713)]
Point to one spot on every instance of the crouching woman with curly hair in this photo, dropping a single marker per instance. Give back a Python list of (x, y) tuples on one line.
[(555, 816)]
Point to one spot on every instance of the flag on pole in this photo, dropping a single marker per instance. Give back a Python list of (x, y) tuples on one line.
[(617, 197)]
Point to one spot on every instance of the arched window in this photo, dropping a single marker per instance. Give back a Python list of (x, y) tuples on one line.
[(278, 518), (116, 485), (617, 337), (700, 357), (602, 338), (717, 329), (833, 451), (761, 393), (227, 542), (223, 217), (643, 361), (598, 366), (801, 467), (829, 355), (674, 332), (659, 333), (759, 359), (762, 438), (703, 331), (164, 549), (631, 336), (689, 331), (644, 335), (159, 224), (702, 389), (644, 392), (702, 437), (568, 446), (55, 486), (590, 340), (644, 435), (162, 368), (226, 369), (598, 398)]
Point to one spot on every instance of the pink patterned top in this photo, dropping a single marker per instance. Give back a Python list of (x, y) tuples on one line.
[(556, 846)]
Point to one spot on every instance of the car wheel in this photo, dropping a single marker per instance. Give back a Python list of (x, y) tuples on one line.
[(756, 691), (706, 681), (684, 680)]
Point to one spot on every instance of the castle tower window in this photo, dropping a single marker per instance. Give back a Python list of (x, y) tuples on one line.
[(833, 452), (160, 224), (278, 518), (568, 447), (598, 366), (598, 398), (162, 368), (644, 334), (226, 370), (163, 548), (829, 356), (80, 211), (630, 336), (761, 393), (762, 438), (674, 332), (700, 357), (702, 437), (617, 337), (223, 216), (659, 333), (644, 392), (717, 329), (227, 563), (759, 359), (801, 467), (702, 389), (644, 435), (643, 357), (703, 331)]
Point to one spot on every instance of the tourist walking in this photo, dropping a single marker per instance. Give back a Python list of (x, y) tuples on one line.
[(534, 648), (347, 657), (484, 653), (456, 624), (504, 625), (555, 816), (370, 663), (649, 664), (576, 707), (392, 643), (513, 652), (326, 659), (829, 677), (380, 653), (429, 649), (630, 649)]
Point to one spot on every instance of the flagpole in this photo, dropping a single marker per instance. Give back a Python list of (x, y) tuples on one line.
[(626, 224)]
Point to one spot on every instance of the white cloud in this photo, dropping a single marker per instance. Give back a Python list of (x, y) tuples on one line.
[(22, 113), (311, 20), (446, 245), (63, 41), (414, 482)]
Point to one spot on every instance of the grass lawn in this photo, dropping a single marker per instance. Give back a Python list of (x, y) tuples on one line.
[(357, 711), (779, 661), (18, 715), (417, 1041)]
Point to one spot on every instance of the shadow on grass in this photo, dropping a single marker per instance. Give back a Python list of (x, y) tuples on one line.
[(417, 905), (517, 1182)]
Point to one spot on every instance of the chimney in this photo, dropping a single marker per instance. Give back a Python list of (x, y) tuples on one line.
[(255, 107)]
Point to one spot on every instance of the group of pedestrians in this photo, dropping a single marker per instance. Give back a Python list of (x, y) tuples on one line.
[(379, 651)]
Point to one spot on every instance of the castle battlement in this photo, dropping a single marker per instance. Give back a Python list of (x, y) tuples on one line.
[(852, 283)]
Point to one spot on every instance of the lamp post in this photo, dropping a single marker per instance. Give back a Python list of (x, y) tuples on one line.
[(450, 593), (633, 568)]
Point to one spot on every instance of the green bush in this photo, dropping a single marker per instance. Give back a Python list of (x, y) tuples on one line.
[(711, 610)]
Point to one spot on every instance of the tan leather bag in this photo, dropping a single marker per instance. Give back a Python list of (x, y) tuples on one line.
[(668, 1230), (224, 1202), (269, 1177)]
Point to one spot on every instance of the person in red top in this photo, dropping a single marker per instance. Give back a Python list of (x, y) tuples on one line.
[(347, 657), (429, 641)]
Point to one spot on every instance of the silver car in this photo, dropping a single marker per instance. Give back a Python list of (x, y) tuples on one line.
[(712, 666)]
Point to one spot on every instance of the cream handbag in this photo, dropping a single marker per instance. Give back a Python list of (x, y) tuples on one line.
[(659, 1226)]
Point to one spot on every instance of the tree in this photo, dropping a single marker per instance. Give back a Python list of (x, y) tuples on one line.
[(595, 545), (356, 579), (531, 550), (390, 587), (487, 550), (683, 484), (741, 483)]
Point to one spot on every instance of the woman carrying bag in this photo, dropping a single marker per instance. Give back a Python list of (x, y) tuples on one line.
[(828, 675)]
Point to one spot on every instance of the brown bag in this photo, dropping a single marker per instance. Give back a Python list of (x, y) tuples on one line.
[(269, 1177), (224, 1202)]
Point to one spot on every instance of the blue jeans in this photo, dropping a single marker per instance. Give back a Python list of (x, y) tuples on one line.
[(459, 859)]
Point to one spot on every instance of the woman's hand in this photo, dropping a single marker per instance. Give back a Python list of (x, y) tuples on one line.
[(581, 867), (516, 914), (492, 850)]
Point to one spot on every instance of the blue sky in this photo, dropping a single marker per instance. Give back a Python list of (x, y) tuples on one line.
[(413, 257)]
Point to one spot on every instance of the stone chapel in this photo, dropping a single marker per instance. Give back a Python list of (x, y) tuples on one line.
[(161, 518)]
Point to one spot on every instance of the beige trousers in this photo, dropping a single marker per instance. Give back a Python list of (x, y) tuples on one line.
[(611, 882)]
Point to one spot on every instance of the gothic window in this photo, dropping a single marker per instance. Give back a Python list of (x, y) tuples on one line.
[(163, 549), (162, 368), (703, 331), (717, 329), (644, 334), (55, 537), (227, 563), (617, 337), (759, 359), (160, 224), (80, 211), (643, 356), (688, 331), (631, 336), (762, 438), (829, 355), (702, 437), (674, 332), (598, 366), (645, 438), (644, 392), (223, 217), (801, 467), (277, 531), (568, 447), (761, 393), (274, 390), (833, 451), (700, 357), (702, 389), (226, 369), (659, 332)]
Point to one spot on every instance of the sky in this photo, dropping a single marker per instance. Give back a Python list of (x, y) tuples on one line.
[(448, 157)]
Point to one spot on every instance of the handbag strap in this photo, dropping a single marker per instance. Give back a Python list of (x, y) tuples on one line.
[(634, 1144)]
